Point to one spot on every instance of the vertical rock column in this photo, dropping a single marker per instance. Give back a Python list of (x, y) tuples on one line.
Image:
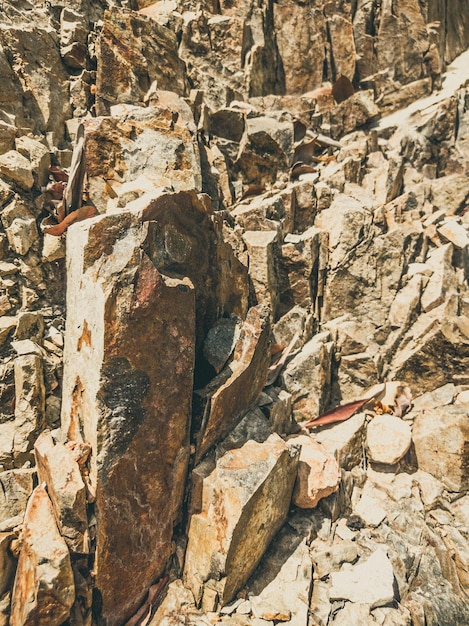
[(129, 358)]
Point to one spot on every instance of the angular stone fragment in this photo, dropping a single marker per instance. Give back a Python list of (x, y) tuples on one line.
[(239, 505), (16, 487), (20, 227), (388, 439), (440, 438), (7, 563), (148, 148), (17, 168), (44, 589), (318, 472), (61, 474), (345, 440), (73, 38), (29, 405), (450, 193), (307, 377), (134, 51), (455, 233), (129, 359), (39, 157), (279, 411), (442, 282), (220, 341), (261, 246), (369, 582), (228, 396)]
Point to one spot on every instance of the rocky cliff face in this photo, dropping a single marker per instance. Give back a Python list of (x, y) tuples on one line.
[(234, 313)]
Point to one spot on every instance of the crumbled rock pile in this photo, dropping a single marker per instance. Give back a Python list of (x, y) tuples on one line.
[(235, 391)]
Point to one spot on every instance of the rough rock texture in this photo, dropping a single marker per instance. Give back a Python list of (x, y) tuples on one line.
[(44, 589), (239, 155)]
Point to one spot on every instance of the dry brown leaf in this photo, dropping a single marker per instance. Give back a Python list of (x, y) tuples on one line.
[(299, 168), (339, 414), (76, 216), (253, 190)]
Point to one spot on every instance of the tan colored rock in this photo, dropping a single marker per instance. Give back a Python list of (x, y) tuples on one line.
[(61, 474), (29, 405), (261, 246), (17, 486), (388, 439), (439, 437), (405, 305), (44, 589), (150, 150), (233, 392), (7, 326), (442, 282), (318, 472), (342, 46), (39, 157), (147, 52), (239, 505), (455, 233), (449, 193), (20, 227), (16, 168), (279, 410), (73, 38), (7, 434), (344, 440), (307, 377)]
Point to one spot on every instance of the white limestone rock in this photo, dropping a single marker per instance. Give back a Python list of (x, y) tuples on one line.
[(388, 439)]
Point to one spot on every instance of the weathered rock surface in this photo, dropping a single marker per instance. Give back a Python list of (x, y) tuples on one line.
[(44, 589), (238, 507)]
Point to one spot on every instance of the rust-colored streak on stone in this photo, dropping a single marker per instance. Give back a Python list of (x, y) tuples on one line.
[(85, 337), (237, 387)]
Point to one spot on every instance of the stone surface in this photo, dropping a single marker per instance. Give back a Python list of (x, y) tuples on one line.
[(7, 563), (228, 396), (318, 472), (17, 486), (29, 405), (439, 437), (369, 581), (238, 506), (388, 438), (44, 589), (133, 52), (344, 440), (61, 474), (20, 227), (16, 168), (138, 432)]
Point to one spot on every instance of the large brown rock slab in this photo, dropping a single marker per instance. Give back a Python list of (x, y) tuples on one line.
[(239, 503), (44, 589), (16, 487), (129, 360), (228, 397)]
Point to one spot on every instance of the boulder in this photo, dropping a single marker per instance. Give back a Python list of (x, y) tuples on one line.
[(439, 437), (44, 589), (57, 468), (318, 472), (20, 227), (133, 52), (370, 581), (17, 168), (344, 440), (29, 405), (239, 503), (228, 397), (388, 439), (261, 247), (17, 486)]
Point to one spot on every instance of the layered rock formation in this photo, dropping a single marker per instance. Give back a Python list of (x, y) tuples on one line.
[(259, 242)]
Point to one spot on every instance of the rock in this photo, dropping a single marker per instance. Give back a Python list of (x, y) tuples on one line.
[(296, 320), (238, 513), (278, 411), (7, 563), (318, 472), (154, 144), (73, 38), (405, 305), (455, 233), (353, 113), (20, 227), (147, 52), (117, 394), (61, 474), (442, 282), (370, 507), (175, 601), (354, 613), (439, 437), (329, 558), (356, 373), (29, 405), (17, 168), (39, 157), (7, 434), (261, 247), (228, 123), (388, 439), (17, 486), (7, 325), (44, 589), (344, 440), (450, 193), (430, 488), (233, 392), (307, 377), (281, 585), (368, 582), (220, 342)]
